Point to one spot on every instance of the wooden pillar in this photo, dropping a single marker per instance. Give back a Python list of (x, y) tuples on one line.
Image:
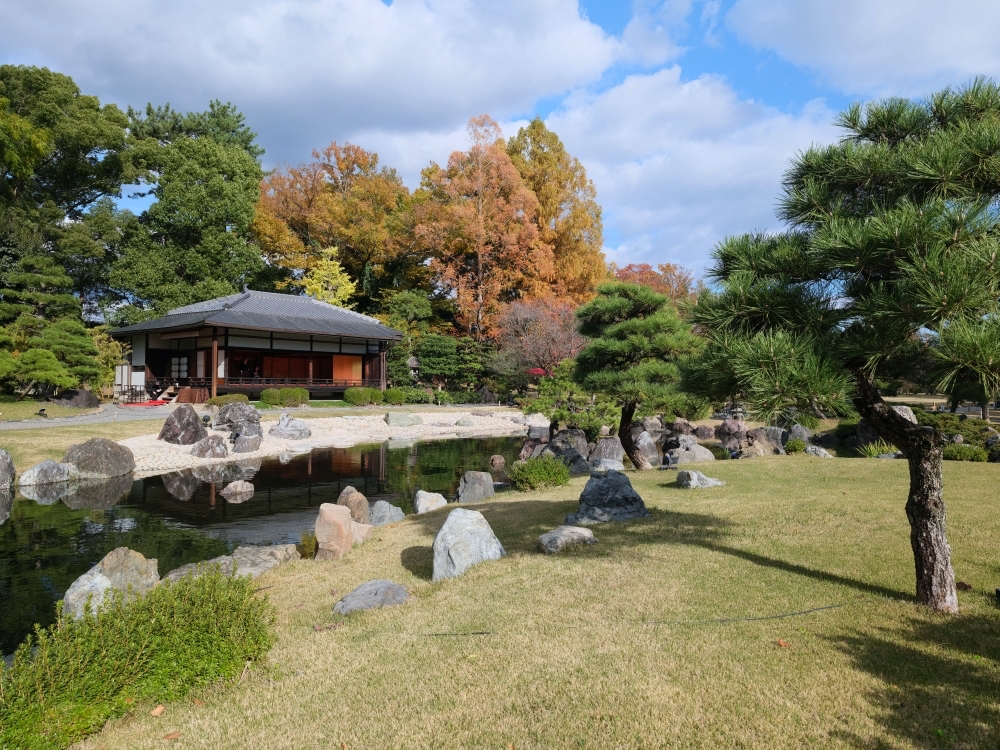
[(382, 373), (310, 370), (215, 359)]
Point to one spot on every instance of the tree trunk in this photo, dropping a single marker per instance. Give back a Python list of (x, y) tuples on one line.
[(984, 410), (925, 504), (625, 435), (24, 393)]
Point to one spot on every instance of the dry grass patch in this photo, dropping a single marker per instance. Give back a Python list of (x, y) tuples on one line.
[(12, 410), (29, 447), (633, 642)]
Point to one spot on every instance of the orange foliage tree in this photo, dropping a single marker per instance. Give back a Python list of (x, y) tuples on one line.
[(672, 280)]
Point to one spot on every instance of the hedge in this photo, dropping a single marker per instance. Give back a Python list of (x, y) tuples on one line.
[(284, 397), (227, 399), (359, 396), (395, 396)]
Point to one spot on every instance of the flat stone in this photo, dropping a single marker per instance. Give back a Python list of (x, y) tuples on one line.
[(402, 419), (607, 447), (214, 446), (100, 458), (48, 472), (608, 464), (464, 540), (183, 427), (466, 422), (693, 480), (608, 496), (382, 513), (289, 428), (238, 491), (7, 472), (357, 502), (815, 450), (121, 569), (565, 536), (475, 486), (249, 561), (425, 502), (372, 595), (247, 443)]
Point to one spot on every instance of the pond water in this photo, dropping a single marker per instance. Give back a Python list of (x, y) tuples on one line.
[(181, 518)]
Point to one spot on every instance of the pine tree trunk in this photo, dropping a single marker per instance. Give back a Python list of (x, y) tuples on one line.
[(925, 504), (625, 435)]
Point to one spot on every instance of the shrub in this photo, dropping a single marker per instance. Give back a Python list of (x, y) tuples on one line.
[(294, 397), (544, 471), (463, 397), (876, 449), (227, 399), (962, 452), (358, 396), (418, 396), (85, 672), (847, 428), (442, 397), (794, 445), (973, 431), (270, 397), (395, 396)]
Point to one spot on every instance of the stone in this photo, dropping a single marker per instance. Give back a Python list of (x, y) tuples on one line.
[(608, 496), (79, 398), (608, 464), (607, 447), (693, 480), (497, 462), (238, 491), (866, 434), (704, 432), (906, 413), (334, 532), (648, 448), (357, 502), (475, 486), (777, 435), (757, 443), (800, 432), (958, 439), (827, 440), (183, 426), (382, 513), (466, 422), (121, 569), (464, 540), (289, 428), (690, 453), (652, 424), (6, 503), (681, 427), (529, 448), (7, 472), (100, 458), (97, 494), (181, 484), (731, 433), (402, 419), (562, 537), (247, 443), (360, 532), (372, 595), (48, 472), (236, 412), (214, 446), (815, 450), (537, 432), (425, 502), (245, 561)]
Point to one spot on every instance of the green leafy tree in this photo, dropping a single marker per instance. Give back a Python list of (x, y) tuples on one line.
[(637, 338), (327, 280), (40, 367), (439, 360), (564, 401), (73, 347), (894, 233)]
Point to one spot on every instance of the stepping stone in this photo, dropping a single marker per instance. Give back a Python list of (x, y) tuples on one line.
[(372, 595)]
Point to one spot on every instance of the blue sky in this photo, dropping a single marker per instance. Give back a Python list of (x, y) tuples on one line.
[(684, 112)]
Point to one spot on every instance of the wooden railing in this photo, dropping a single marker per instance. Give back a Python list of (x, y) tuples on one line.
[(232, 382)]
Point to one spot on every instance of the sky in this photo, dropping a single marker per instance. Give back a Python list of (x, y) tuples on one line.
[(685, 113)]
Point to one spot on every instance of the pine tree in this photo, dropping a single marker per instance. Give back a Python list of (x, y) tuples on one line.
[(73, 347)]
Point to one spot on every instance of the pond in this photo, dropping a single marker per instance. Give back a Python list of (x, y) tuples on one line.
[(181, 518)]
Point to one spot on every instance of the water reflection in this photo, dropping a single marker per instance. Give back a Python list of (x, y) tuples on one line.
[(6, 501)]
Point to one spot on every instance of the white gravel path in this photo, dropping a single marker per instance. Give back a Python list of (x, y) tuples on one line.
[(154, 456)]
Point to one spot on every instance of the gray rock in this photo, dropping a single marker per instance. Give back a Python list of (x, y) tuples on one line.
[(97, 494), (607, 447), (402, 419), (681, 427), (704, 432), (238, 491), (236, 412), (121, 569), (605, 431), (529, 447), (866, 434), (690, 453), (693, 480), (799, 432), (497, 462), (425, 502), (372, 595), (565, 439), (758, 443), (608, 497), (48, 472), (475, 486), (289, 428), (731, 433), (958, 439), (382, 513), (247, 443), (562, 537), (214, 446), (183, 426), (181, 484), (100, 458), (7, 472), (79, 398), (357, 502), (466, 422), (6, 503), (648, 448), (537, 432), (906, 413), (652, 424), (576, 463), (464, 540), (245, 561), (776, 435), (815, 450), (608, 464)]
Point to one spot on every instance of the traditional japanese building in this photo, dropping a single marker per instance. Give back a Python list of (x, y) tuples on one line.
[(247, 342)]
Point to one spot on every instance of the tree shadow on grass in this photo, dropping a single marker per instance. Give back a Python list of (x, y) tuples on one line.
[(939, 680)]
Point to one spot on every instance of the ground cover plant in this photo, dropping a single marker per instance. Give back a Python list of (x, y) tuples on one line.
[(638, 641), (533, 473)]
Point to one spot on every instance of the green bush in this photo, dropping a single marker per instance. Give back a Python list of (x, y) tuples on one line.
[(227, 399), (395, 396), (463, 397), (794, 445), (544, 471), (962, 452), (358, 396), (442, 397), (418, 396), (84, 672), (973, 431), (270, 397), (294, 397), (876, 449), (847, 428)]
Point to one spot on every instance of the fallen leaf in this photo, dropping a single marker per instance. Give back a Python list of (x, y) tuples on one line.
[(172, 736), (158, 711), (197, 702), (963, 586), (784, 644)]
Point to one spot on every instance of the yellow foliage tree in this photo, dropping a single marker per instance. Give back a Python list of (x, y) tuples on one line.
[(327, 281)]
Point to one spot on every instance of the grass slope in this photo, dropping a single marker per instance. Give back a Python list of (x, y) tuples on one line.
[(619, 645)]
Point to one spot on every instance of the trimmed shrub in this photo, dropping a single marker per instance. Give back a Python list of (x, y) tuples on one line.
[(442, 397), (227, 399), (358, 396), (84, 672), (974, 431), (270, 397), (794, 445), (544, 471), (294, 397), (463, 397), (418, 396), (395, 396), (962, 452)]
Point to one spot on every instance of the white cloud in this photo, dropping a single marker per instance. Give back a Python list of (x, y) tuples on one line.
[(650, 38), (898, 47), (680, 165)]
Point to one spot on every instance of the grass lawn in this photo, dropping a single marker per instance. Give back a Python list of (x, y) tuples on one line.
[(29, 447), (636, 642), (12, 409)]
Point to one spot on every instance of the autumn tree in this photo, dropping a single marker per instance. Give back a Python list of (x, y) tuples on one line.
[(672, 280), (569, 217), (327, 281), (539, 333)]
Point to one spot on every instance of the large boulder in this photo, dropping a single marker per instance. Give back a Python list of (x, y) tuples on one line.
[(564, 440), (238, 491), (372, 595), (100, 458), (402, 419), (79, 398), (731, 433), (48, 472), (475, 486), (232, 413), (464, 540), (815, 450), (357, 502), (247, 443), (382, 513), (648, 448), (652, 424), (289, 428), (245, 561), (757, 443), (693, 480), (121, 569), (681, 427), (214, 446), (607, 464), (183, 427), (562, 537), (704, 432), (181, 484), (336, 531), (425, 502), (607, 447), (7, 472), (538, 426), (777, 435), (684, 449), (906, 413), (532, 448), (799, 432), (608, 496)]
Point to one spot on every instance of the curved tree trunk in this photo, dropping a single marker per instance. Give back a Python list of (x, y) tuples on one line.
[(625, 435), (925, 504)]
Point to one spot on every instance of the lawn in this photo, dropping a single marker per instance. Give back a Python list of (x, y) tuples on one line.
[(29, 447), (642, 640), (11, 409)]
